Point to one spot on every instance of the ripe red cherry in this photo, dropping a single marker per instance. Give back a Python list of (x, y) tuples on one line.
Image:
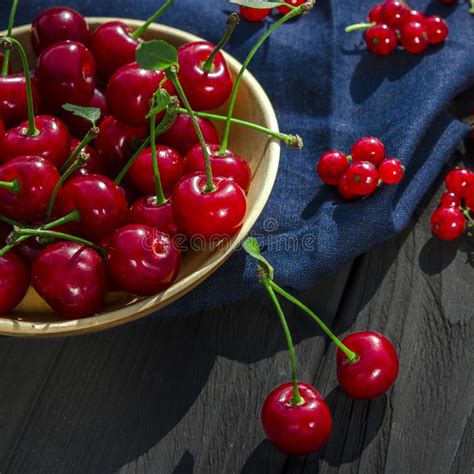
[(204, 90), (57, 24), (13, 102), (375, 13), (2, 128), (79, 126), (142, 260), (5, 230), (458, 180), (36, 179), (182, 135), (381, 39), (112, 47), (52, 143), (448, 223), (130, 92), (229, 165), (170, 165), (392, 13), (71, 278), (412, 15), (14, 281), (145, 211), (362, 178), (117, 143), (31, 248), (374, 371), (65, 74), (469, 197), (345, 190), (332, 166), (391, 171), (449, 200), (437, 29), (254, 14), (295, 3), (208, 215), (101, 204), (368, 149), (414, 37), (94, 164), (296, 430)]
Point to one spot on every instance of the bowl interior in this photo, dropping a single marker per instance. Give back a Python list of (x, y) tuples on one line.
[(33, 317)]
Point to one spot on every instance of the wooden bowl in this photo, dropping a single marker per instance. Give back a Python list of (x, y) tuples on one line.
[(33, 317)]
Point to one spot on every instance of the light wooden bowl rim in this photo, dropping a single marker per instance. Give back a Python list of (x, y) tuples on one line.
[(143, 307)]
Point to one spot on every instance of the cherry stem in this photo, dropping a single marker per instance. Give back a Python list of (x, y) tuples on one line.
[(294, 141), (12, 186), (297, 399), (352, 356), (139, 31), (88, 137), (304, 8), (11, 22), (163, 127), (10, 221), (359, 26), (7, 43), (232, 21), (160, 195), (173, 77)]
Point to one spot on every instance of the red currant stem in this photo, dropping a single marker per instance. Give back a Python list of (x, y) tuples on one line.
[(160, 195), (59, 235), (7, 43), (163, 127), (11, 22), (467, 215), (139, 31), (294, 141), (12, 186), (352, 356), (232, 21), (173, 77), (304, 8), (297, 399), (359, 26), (88, 137), (73, 216)]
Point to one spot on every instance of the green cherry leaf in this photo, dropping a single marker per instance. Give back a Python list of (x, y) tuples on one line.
[(156, 55), (257, 3), (91, 114), (252, 247), (161, 101)]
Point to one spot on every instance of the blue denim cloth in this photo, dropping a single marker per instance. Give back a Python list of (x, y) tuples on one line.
[(327, 87)]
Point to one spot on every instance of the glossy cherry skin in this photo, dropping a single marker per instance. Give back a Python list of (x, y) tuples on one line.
[(141, 260), (295, 3), (381, 39), (204, 90), (37, 179), (57, 24), (182, 135), (65, 74), (71, 278), (117, 143), (13, 102), (31, 248), (332, 166), (374, 371), (77, 125), (438, 29), (170, 164), (145, 211), (94, 164), (368, 149), (208, 216), (112, 47), (229, 165), (101, 204), (457, 181), (52, 143), (296, 430), (414, 37), (130, 91), (14, 281), (2, 129), (254, 14)]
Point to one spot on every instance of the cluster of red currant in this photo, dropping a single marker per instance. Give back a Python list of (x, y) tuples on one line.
[(394, 21), (452, 217), (259, 14), (360, 173)]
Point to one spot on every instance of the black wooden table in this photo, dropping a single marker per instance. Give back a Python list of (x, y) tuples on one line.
[(183, 396)]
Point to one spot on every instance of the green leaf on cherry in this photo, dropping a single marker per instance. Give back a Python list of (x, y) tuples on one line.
[(156, 55), (161, 101), (252, 247), (91, 114), (257, 3)]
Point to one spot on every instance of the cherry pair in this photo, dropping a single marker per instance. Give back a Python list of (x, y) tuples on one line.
[(360, 173), (259, 14)]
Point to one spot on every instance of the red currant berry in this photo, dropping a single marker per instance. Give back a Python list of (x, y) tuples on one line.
[(368, 149), (450, 200), (345, 190), (392, 12), (375, 13), (295, 3), (412, 15), (414, 37), (469, 197), (458, 180), (391, 171), (332, 166), (448, 223), (254, 14), (363, 178), (437, 29), (381, 40)]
